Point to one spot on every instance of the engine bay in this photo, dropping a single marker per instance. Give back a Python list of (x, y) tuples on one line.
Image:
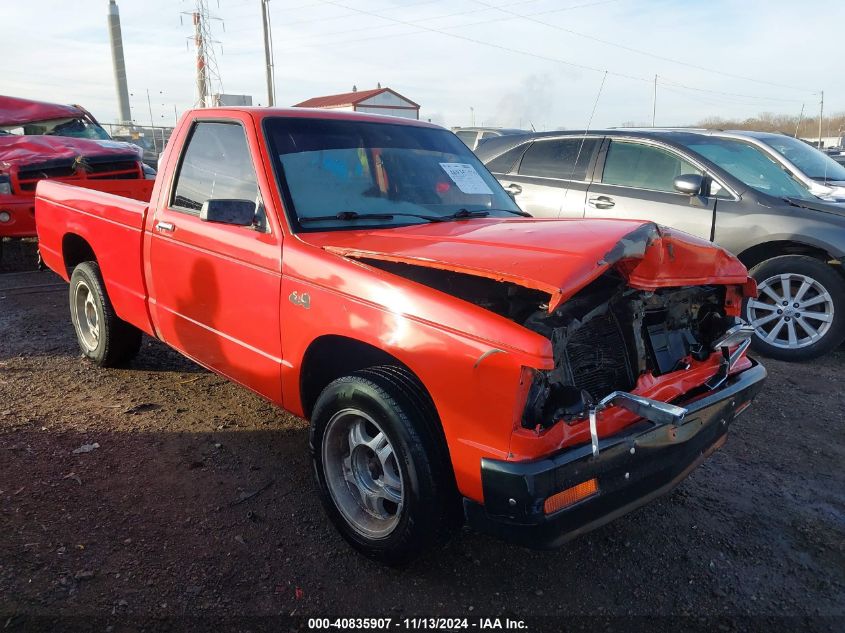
[(603, 338), (609, 334)]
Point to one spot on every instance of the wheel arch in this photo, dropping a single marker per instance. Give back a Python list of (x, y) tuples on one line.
[(759, 253), (75, 250), (332, 356)]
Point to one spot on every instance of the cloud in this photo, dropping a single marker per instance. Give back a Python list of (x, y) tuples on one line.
[(530, 103), (58, 51)]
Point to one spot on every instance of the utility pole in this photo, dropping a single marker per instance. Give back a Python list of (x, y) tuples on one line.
[(821, 118), (654, 103), (800, 118), (152, 122), (268, 53)]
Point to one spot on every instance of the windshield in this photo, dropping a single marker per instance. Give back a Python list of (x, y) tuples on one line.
[(335, 171), (813, 163), (74, 127), (750, 165)]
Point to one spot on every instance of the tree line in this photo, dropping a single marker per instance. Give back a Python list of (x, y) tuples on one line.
[(786, 124)]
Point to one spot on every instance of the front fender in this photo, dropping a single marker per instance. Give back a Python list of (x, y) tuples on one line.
[(474, 382)]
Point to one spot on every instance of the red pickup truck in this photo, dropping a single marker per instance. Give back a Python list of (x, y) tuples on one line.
[(41, 140), (457, 360)]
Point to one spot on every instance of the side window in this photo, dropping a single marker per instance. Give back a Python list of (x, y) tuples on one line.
[(468, 137), (567, 159), (216, 165), (503, 163), (642, 166), (718, 191)]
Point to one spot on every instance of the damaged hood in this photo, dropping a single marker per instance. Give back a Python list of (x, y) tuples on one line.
[(17, 111), (555, 256), (30, 150)]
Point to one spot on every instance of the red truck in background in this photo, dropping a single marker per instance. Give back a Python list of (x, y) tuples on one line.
[(457, 361), (59, 142)]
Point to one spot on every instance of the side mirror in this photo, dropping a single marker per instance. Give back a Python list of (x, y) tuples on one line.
[(237, 212), (690, 184)]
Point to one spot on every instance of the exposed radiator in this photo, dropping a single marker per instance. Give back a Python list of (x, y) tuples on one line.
[(598, 357)]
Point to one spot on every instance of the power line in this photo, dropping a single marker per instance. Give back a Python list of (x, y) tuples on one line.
[(536, 55), (728, 94), (491, 45), (709, 100), (346, 15), (443, 17), (634, 50)]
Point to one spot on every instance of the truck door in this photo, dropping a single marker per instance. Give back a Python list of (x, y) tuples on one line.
[(214, 288), (551, 180), (636, 181)]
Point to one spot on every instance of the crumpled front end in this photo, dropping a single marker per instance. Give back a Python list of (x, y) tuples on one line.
[(544, 503), (610, 338), (649, 372)]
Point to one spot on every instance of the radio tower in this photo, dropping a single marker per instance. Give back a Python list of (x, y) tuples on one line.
[(209, 81)]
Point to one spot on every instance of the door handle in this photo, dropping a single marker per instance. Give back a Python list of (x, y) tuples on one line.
[(165, 226), (513, 189), (601, 202)]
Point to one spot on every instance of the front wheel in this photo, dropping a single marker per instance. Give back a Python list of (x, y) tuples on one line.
[(799, 313), (382, 470)]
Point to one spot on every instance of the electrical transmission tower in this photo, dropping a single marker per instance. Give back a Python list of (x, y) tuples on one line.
[(209, 81)]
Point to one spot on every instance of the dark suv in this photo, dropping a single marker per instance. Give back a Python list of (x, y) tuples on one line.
[(721, 189)]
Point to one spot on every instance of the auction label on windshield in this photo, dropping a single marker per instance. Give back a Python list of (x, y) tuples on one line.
[(467, 179)]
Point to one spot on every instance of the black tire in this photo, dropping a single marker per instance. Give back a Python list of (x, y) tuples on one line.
[(399, 407), (826, 280), (103, 336)]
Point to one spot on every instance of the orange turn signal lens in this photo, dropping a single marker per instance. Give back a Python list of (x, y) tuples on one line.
[(567, 497)]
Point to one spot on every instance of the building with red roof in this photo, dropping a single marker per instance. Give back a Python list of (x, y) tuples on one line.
[(377, 101)]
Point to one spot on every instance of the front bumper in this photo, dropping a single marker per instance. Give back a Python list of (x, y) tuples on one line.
[(632, 468), (22, 217)]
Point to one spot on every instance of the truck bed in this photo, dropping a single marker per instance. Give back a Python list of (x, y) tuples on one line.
[(72, 220)]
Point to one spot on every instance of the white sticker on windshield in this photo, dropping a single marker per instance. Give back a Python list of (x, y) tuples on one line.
[(467, 179)]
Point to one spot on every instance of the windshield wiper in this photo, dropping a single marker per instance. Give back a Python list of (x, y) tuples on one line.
[(460, 214), (464, 214), (520, 212), (354, 215)]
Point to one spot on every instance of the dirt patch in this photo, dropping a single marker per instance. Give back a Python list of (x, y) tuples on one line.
[(18, 255), (195, 498)]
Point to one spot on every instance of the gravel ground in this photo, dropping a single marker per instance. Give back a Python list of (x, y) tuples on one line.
[(198, 501)]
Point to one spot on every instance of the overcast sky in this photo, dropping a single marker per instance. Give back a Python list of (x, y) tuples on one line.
[(450, 56)]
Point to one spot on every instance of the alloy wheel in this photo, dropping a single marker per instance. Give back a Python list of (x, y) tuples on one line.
[(791, 311), (87, 317), (362, 473)]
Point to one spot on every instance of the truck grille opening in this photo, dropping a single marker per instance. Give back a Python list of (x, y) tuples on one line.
[(608, 335), (27, 177), (598, 357)]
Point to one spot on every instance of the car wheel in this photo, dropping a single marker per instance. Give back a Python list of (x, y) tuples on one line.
[(381, 467), (103, 337), (799, 313)]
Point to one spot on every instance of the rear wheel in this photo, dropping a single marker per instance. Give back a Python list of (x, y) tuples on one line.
[(103, 336), (799, 313), (380, 466)]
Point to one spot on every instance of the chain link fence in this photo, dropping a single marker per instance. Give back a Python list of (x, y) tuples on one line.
[(152, 139)]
